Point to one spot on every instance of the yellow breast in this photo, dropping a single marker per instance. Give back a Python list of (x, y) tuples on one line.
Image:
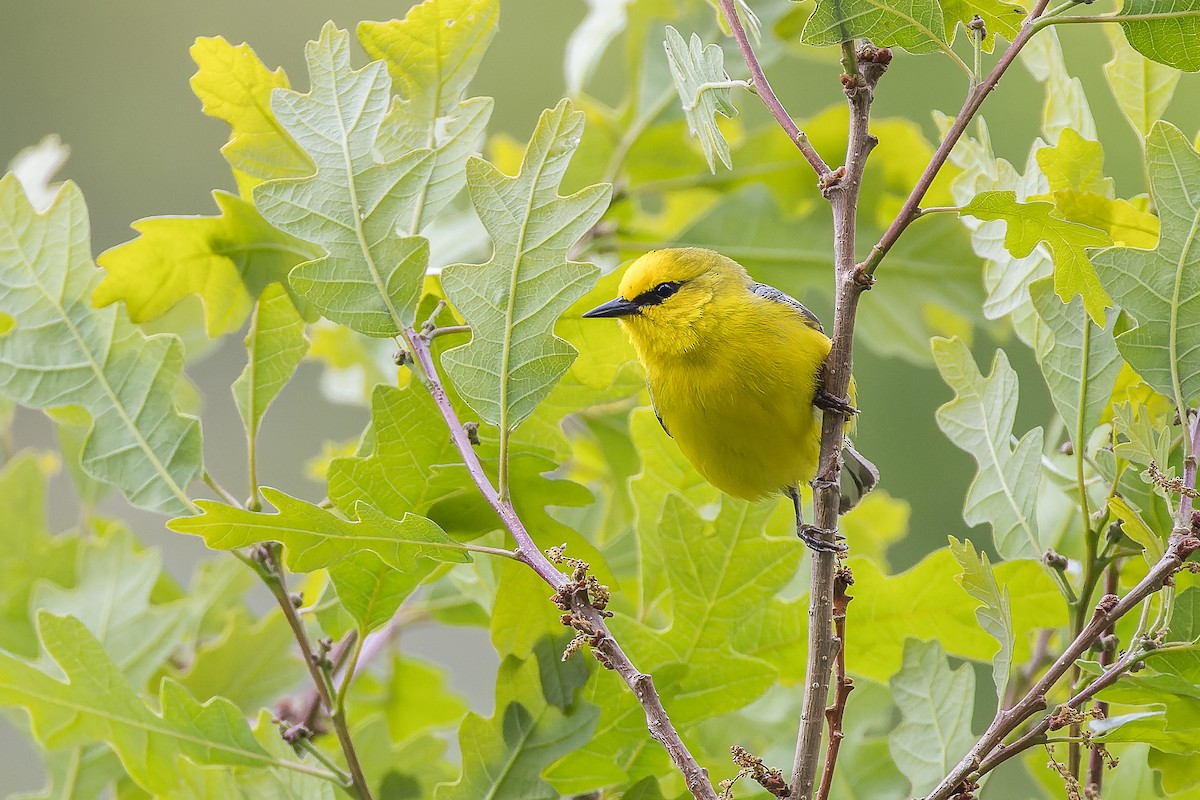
[(740, 408)]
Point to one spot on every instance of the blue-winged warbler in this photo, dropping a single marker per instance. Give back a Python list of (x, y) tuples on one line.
[(734, 371)]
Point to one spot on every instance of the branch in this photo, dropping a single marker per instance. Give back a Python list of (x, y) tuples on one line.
[(763, 88), (264, 560), (841, 187), (607, 651), (842, 686), (988, 752), (1096, 761), (911, 208)]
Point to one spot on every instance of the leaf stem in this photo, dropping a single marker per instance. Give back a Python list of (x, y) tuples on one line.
[(763, 89), (659, 724), (909, 211), (220, 491), (842, 684), (1122, 18)]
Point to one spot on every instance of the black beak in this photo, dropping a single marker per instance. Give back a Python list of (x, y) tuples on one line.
[(620, 307)]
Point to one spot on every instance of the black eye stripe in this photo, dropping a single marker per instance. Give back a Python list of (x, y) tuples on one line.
[(653, 297)]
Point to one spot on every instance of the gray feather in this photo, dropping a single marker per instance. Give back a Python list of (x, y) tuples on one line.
[(783, 298)]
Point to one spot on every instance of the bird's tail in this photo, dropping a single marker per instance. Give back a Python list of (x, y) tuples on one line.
[(859, 476)]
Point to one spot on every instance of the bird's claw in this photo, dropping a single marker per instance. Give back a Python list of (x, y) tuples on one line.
[(824, 400), (821, 540)]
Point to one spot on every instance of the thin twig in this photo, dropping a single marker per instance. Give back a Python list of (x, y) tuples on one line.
[(265, 561), (841, 188), (909, 211), (763, 88), (657, 721), (1096, 761), (221, 492), (842, 684), (988, 752)]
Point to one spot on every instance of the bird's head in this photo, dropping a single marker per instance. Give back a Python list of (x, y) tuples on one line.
[(668, 298)]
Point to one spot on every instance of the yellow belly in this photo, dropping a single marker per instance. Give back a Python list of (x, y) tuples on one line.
[(743, 416)]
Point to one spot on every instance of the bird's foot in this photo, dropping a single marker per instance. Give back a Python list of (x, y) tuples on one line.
[(821, 540), (824, 400)]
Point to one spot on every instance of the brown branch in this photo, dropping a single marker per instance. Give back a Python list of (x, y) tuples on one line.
[(763, 89), (841, 187), (264, 560), (912, 206), (1096, 760), (842, 684), (608, 652)]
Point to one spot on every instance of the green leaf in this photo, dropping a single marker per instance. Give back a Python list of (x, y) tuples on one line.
[(432, 54), (235, 86), (980, 420), (111, 597), (918, 26), (96, 704), (413, 465), (926, 602), (995, 615), (1142, 88), (370, 279), (62, 350), (412, 696), (251, 662), (998, 17), (1167, 40), (30, 557), (605, 20), (314, 538), (504, 756), (704, 87), (1031, 223), (512, 302), (1066, 104), (227, 260), (1078, 359), (275, 345), (1160, 288), (371, 590), (935, 708)]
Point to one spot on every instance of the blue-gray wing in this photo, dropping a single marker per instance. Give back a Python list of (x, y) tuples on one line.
[(783, 298)]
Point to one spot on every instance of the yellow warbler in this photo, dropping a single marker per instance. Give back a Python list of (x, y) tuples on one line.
[(734, 372)]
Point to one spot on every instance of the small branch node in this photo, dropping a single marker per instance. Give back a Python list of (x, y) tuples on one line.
[(831, 179), (1055, 561), (472, 431), (751, 766)]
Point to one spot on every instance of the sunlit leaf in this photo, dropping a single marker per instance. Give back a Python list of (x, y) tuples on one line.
[(999, 17), (1133, 526), (370, 279), (235, 86), (1031, 223), (371, 590), (980, 420), (62, 351), (935, 708), (512, 301), (1066, 104), (1160, 288), (604, 21), (703, 87), (314, 538)]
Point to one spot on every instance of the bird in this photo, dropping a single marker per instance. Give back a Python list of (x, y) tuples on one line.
[(734, 372)]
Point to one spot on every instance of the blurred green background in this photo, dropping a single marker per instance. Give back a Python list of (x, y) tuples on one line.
[(112, 80)]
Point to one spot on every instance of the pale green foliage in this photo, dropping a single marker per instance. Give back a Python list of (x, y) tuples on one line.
[(704, 89), (370, 279), (995, 615), (1160, 288), (980, 420), (275, 344), (63, 351), (514, 359), (935, 708), (97, 704), (1169, 41), (314, 538), (1078, 359), (1142, 88)]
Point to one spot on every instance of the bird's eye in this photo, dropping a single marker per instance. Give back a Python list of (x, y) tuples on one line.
[(665, 290)]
